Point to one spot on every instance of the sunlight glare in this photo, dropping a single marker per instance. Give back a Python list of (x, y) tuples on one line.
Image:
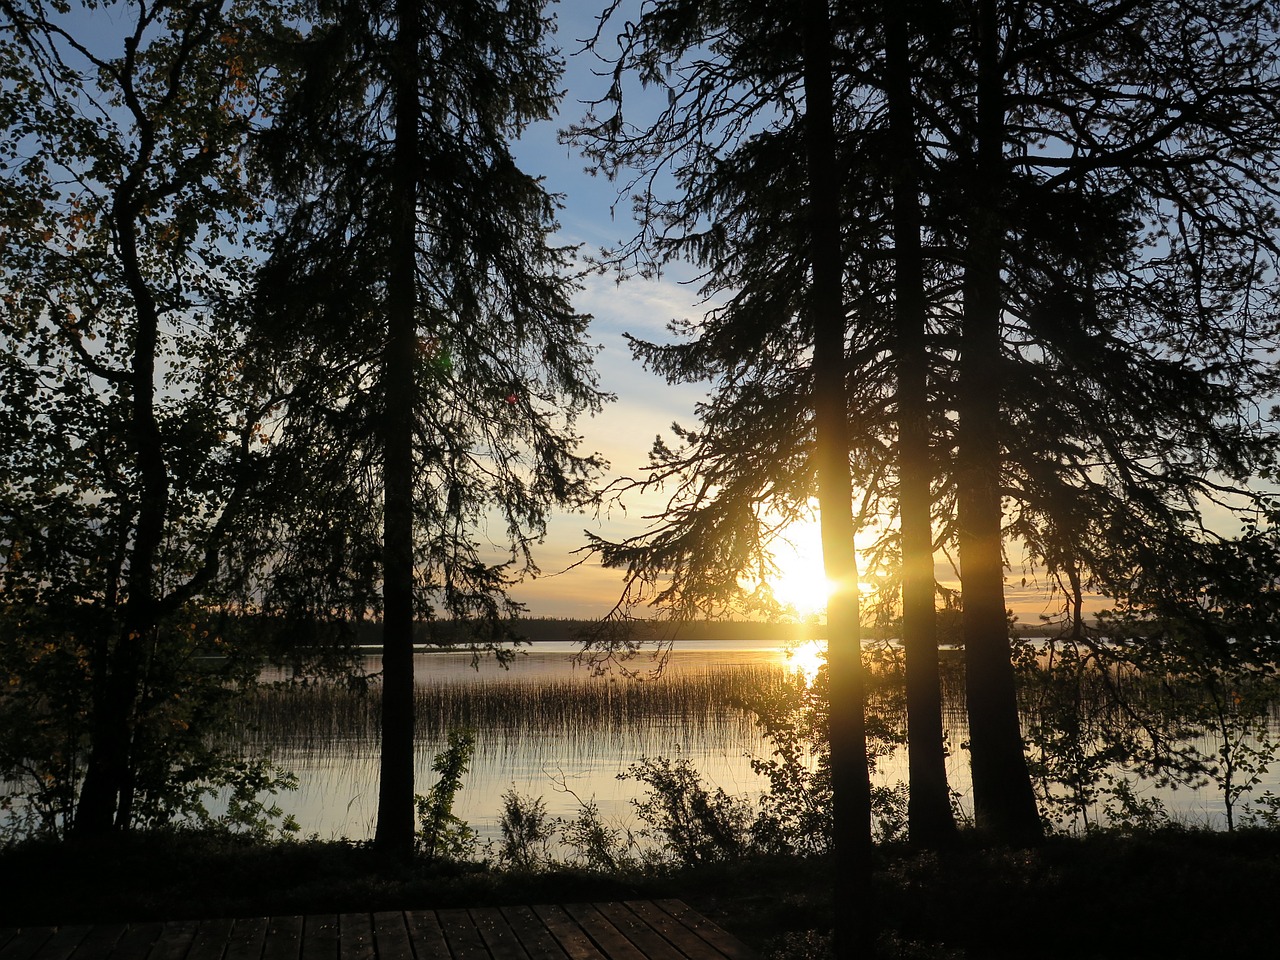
[(801, 582), (806, 659)]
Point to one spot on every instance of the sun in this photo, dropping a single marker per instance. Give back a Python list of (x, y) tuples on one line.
[(801, 582)]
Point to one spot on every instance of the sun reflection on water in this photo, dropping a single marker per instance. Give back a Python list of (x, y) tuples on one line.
[(805, 659)]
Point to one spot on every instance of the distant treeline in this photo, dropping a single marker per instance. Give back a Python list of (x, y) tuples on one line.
[(554, 628), (537, 629)]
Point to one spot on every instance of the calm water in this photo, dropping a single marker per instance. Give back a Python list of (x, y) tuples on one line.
[(544, 726), (550, 729)]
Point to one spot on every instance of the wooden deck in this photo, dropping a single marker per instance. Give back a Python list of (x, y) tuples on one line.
[(634, 930)]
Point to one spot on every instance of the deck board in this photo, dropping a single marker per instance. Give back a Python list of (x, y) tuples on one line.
[(635, 930), (284, 939), (355, 937), (175, 941), (533, 934), (498, 937), (392, 936), (721, 941), (24, 944), (426, 935), (650, 942), (63, 942)]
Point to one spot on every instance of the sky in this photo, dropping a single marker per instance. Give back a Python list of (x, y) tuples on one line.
[(646, 405)]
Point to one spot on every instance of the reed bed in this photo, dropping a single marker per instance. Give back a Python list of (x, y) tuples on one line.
[(324, 716)]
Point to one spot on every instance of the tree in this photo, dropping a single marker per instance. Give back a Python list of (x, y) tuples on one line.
[(417, 278), (134, 416), (850, 781), (731, 137), (931, 821), (1119, 202)]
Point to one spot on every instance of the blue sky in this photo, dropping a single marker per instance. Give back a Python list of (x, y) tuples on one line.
[(646, 405)]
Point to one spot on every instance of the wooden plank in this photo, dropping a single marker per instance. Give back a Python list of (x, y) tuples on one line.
[(137, 941), (284, 939), (175, 940), (727, 944), (210, 940), (646, 939), (63, 942), (100, 941), (355, 933), (533, 935), (497, 935), (248, 935), (611, 941), (26, 943), (462, 936), (571, 937), (320, 938), (680, 936), (391, 936), (426, 935)]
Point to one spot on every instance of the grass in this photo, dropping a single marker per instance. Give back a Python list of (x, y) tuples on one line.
[(515, 704), (1168, 895)]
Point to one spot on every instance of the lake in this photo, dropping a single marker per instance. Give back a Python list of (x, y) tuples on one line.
[(544, 726), (549, 728)]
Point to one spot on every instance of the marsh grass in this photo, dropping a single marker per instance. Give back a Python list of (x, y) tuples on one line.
[(317, 716)]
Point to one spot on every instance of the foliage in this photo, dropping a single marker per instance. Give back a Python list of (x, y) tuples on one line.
[(442, 834), (796, 813), (527, 831), (691, 823), (500, 361), (1124, 810), (135, 415), (1105, 714), (595, 844)]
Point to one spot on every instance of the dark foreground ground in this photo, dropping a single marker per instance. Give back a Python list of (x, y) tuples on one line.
[(1183, 894)]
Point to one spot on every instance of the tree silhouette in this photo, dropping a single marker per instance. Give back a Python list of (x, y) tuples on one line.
[(733, 132), (1117, 194), (133, 437), (417, 265)]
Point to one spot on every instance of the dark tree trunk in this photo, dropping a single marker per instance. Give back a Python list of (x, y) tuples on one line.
[(106, 798), (929, 810), (1004, 804), (849, 769), (394, 835)]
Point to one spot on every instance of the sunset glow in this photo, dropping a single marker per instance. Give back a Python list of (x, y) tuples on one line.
[(801, 582)]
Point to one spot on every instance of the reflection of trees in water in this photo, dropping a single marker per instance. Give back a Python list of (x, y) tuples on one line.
[(1109, 738), (1106, 728)]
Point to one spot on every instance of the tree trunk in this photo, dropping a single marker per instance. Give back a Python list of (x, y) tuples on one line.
[(1004, 804), (106, 798), (394, 835), (848, 742), (929, 806)]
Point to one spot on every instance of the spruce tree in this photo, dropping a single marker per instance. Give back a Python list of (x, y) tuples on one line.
[(431, 313)]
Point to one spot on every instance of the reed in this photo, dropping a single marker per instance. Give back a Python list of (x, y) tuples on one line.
[(314, 716)]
